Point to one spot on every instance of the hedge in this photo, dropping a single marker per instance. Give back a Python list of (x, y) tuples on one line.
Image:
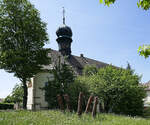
[(4, 106)]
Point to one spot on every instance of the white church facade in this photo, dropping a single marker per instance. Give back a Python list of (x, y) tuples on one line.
[(147, 99)]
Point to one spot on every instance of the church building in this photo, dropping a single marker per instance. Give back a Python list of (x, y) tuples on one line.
[(36, 97)]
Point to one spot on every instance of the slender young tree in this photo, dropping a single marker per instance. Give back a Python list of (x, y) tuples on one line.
[(63, 78), (22, 37), (16, 95)]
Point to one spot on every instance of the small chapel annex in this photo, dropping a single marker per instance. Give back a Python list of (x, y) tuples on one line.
[(36, 97)]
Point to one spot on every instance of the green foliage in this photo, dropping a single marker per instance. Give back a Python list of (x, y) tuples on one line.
[(4, 106), (16, 95), (145, 4), (89, 70), (107, 2), (73, 92), (129, 68), (52, 117), (8, 99), (64, 82), (146, 113), (22, 37), (144, 50), (118, 89), (63, 78)]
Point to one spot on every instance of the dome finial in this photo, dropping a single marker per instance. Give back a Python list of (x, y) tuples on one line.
[(63, 15)]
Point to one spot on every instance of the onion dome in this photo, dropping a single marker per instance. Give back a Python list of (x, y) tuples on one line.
[(64, 31), (64, 40)]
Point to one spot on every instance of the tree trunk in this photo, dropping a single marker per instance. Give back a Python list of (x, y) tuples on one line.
[(60, 102), (80, 101), (95, 106), (88, 106), (67, 100), (25, 94)]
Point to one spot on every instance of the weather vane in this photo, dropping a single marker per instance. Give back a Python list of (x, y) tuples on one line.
[(63, 15)]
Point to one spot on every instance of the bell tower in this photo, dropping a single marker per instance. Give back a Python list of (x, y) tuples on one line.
[(64, 40)]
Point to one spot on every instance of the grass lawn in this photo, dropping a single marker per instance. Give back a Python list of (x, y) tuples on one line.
[(59, 118)]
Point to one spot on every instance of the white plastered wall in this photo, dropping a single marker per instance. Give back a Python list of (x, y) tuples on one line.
[(147, 99), (39, 95)]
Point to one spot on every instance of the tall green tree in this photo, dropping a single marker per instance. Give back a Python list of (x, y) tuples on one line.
[(63, 77), (22, 37)]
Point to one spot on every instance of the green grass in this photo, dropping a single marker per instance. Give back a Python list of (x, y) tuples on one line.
[(59, 118)]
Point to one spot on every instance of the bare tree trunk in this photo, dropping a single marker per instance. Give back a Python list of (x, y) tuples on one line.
[(60, 102), (80, 100), (25, 94), (95, 106), (88, 106), (67, 100)]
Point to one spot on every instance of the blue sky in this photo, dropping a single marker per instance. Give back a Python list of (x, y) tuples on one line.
[(109, 34)]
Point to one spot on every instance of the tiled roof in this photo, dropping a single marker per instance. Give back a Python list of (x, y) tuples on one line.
[(1, 99), (77, 62), (147, 85)]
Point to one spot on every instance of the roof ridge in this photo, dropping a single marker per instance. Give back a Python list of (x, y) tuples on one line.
[(147, 83)]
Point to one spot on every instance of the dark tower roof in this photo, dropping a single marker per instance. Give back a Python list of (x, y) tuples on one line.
[(64, 40), (64, 31)]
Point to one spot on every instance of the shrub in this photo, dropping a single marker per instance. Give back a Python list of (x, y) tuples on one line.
[(90, 70), (118, 89), (73, 92), (146, 112), (4, 106)]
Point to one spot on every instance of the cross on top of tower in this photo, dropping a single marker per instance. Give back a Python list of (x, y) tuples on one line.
[(63, 15)]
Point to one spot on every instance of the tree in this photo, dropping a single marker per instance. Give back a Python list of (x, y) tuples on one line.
[(129, 68), (22, 37), (63, 78), (16, 95), (117, 89), (144, 4), (8, 99)]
